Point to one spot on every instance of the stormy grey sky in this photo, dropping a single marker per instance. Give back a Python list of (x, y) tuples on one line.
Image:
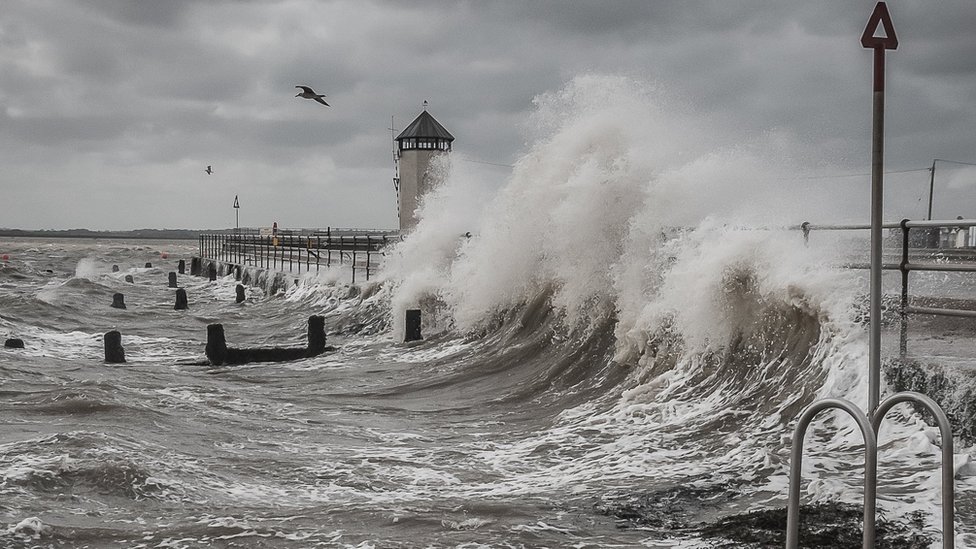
[(111, 109)]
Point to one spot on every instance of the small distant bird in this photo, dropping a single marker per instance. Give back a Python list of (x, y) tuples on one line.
[(209, 170), (309, 93)]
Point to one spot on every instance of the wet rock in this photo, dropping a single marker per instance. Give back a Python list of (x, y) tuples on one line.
[(822, 526), (678, 511)]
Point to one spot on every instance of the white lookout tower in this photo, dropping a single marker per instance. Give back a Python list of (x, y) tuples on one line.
[(417, 146)]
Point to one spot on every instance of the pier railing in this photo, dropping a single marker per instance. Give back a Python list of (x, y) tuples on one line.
[(298, 251), (958, 260)]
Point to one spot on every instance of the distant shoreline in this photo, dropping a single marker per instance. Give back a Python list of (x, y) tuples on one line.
[(153, 234)]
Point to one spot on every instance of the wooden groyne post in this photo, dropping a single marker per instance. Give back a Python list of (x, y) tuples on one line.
[(218, 353), (114, 353)]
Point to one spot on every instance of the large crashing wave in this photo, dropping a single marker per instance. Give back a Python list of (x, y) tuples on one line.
[(624, 207), (629, 211)]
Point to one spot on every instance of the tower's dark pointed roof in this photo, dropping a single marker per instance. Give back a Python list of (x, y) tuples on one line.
[(425, 126)]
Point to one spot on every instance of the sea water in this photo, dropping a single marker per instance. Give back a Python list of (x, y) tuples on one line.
[(623, 329)]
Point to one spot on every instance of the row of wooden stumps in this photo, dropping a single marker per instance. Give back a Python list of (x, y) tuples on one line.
[(115, 353), (118, 299)]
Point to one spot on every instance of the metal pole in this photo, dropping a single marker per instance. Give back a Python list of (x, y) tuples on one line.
[(931, 189), (877, 211), (879, 44)]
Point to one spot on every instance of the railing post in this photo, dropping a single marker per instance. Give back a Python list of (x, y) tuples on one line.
[(367, 256), (318, 251), (903, 267), (353, 265)]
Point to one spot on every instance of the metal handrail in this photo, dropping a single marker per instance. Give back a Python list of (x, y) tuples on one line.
[(906, 266), (870, 469), (964, 313), (945, 430)]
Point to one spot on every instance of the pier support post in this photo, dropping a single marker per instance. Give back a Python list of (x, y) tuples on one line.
[(172, 279), (181, 266), (118, 301), (237, 272), (181, 303), (216, 344), (114, 353), (412, 326), (240, 293), (212, 272), (316, 335), (195, 266)]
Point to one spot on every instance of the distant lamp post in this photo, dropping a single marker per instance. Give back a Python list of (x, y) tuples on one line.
[(932, 179)]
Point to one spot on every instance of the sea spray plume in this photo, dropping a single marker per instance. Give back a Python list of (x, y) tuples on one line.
[(611, 165), (414, 271), (560, 220), (714, 280)]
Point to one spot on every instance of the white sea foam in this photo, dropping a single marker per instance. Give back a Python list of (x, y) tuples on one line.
[(89, 268)]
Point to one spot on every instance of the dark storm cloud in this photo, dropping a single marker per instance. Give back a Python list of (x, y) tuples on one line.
[(168, 13), (160, 89)]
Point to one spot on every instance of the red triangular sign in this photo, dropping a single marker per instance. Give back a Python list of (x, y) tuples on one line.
[(880, 17)]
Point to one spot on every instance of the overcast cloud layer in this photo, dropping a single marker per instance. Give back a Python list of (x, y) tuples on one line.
[(111, 109)]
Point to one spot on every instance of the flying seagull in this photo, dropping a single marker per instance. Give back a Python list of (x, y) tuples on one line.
[(209, 170), (309, 93)]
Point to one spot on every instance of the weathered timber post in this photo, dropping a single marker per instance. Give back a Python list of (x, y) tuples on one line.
[(148, 265), (195, 266), (118, 301), (115, 268), (114, 353), (181, 266), (129, 279), (212, 272), (240, 293), (316, 335), (216, 344), (412, 326), (172, 279), (181, 302), (14, 343)]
